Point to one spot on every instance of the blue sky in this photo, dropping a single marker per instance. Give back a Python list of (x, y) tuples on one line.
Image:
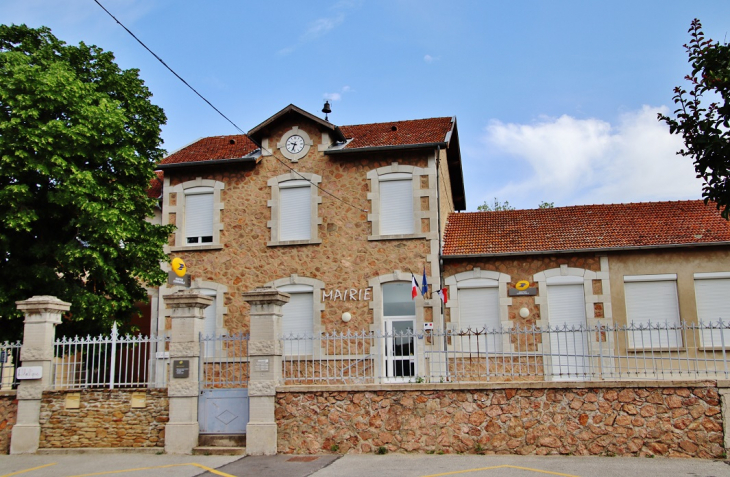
[(555, 100)]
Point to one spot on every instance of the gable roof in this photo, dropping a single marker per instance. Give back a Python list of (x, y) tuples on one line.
[(212, 149), (260, 129), (585, 228), (430, 131)]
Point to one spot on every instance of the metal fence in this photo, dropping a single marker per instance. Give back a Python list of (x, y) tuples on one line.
[(110, 361), (652, 351), (224, 361), (9, 361)]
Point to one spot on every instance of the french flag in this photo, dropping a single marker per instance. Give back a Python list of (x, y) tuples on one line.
[(414, 287)]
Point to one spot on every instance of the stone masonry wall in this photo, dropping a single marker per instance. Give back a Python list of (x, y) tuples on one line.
[(534, 418), (523, 268), (105, 418), (345, 259), (8, 414)]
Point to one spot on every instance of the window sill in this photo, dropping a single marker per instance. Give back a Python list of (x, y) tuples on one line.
[(293, 242), (397, 237), (196, 248)]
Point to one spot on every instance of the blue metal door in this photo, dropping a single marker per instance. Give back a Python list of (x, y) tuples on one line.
[(223, 411)]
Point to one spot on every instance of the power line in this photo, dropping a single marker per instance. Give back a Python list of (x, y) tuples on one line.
[(218, 111), (165, 65)]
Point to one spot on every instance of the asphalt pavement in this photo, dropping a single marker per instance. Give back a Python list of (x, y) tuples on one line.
[(401, 465)]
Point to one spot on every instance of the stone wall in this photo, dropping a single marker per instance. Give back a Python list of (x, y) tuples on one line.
[(8, 413), (627, 419), (104, 418), (344, 259)]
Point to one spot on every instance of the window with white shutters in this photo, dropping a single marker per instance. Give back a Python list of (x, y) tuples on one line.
[(396, 204), (199, 215), (297, 322), (295, 210), (568, 328), (479, 312), (712, 294), (651, 302)]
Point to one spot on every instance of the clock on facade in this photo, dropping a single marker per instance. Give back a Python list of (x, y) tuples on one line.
[(295, 144)]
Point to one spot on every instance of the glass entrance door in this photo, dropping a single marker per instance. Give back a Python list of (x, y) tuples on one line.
[(400, 349)]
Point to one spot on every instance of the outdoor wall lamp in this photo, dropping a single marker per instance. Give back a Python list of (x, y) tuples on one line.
[(524, 312), (346, 317)]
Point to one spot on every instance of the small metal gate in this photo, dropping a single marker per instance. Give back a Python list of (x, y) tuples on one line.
[(224, 372)]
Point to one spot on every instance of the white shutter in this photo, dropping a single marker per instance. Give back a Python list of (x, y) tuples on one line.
[(396, 207), (653, 302), (568, 334), (298, 322), (479, 309), (295, 211), (199, 217), (713, 305)]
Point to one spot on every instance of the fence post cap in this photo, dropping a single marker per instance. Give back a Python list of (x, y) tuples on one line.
[(42, 304)]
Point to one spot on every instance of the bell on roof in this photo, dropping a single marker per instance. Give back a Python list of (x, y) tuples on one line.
[(326, 110)]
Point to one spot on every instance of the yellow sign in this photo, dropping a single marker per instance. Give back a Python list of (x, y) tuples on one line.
[(522, 285), (178, 266)]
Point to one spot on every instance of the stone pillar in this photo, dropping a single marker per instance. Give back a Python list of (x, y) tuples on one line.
[(181, 431), (42, 314), (264, 350)]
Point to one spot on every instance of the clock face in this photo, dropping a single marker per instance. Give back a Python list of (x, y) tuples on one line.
[(295, 144)]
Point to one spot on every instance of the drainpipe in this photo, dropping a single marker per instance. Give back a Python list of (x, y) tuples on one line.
[(441, 261)]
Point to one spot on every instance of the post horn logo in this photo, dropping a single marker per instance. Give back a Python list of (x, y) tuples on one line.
[(522, 285)]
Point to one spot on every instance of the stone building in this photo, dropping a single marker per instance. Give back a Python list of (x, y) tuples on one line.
[(636, 264), (343, 217), (340, 218)]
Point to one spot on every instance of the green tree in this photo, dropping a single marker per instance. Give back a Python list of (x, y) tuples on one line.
[(497, 206), (79, 140), (703, 116)]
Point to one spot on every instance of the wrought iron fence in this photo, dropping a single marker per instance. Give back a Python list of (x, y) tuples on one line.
[(224, 361), (110, 361), (656, 351), (9, 361)]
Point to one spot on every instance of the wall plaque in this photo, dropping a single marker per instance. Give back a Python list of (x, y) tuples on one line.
[(181, 368)]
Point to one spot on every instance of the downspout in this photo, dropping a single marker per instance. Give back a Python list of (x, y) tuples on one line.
[(441, 261)]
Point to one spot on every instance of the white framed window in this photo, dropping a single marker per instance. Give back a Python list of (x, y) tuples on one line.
[(294, 209), (397, 194), (568, 327), (651, 302), (396, 200), (712, 294), (195, 208), (297, 322), (479, 312), (199, 215)]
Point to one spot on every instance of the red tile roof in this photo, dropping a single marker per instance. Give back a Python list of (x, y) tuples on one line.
[(398, 133), (213, 148), (155, 190), (585, 227)]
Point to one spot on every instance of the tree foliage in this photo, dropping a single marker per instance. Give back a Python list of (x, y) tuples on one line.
[(499, 206), (495, 207), (703, 116), (79, 139)]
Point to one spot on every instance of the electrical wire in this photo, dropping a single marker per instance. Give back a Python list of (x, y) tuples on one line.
[(218, 111)]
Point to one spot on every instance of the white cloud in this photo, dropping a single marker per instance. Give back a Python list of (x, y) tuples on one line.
[(430, 59), (322, 26), (589, 161), (337, 96)]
